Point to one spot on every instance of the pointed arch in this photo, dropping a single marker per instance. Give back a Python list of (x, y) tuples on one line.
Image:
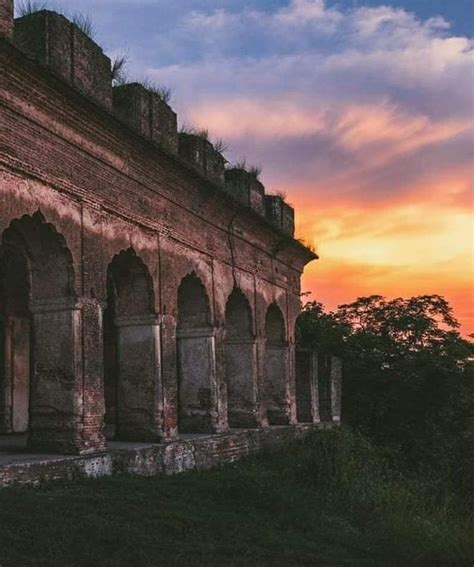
[(197, 386), (37, 290), (193, 303), (276, 367), (240, 362), (131, 350), (275, 332)]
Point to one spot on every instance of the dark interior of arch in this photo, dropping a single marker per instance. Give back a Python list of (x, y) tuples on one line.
[(129, 294), (35, 265), (238, 316), (193, 304), (50, 261), (274, 325), (130, 282)]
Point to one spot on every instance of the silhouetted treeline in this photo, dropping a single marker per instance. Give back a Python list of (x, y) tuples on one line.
[(408, 381)]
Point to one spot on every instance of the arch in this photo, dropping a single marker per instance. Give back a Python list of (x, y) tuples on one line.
[(274, 325), (197, 387), (37, 295), (50, 260), (276, 367), (240, 362), (193, 303), (131, 350)]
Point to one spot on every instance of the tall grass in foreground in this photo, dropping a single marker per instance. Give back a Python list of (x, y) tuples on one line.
[(330, 500), (409, 517)]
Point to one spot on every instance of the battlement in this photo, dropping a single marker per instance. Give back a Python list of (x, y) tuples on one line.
[(246, 188), (199, 152), (280, 213), (147, 113), (61, 46)]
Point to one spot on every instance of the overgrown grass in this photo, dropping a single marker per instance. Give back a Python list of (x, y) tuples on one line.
[(331, 500), (28, 7), (254, 170)]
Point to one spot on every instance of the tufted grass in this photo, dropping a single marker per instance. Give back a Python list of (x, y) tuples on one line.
[(331, 500)]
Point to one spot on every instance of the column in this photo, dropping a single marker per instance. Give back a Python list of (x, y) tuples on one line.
[(66, 377), (197, 381), (242, 382), (139, 398)]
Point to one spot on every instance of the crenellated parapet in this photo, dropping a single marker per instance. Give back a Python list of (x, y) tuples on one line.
[(244, 186), (147, 113), (280, 213), (61, 46), (197, 150)]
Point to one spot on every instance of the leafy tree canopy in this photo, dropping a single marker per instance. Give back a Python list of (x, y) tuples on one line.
[(408, 376)]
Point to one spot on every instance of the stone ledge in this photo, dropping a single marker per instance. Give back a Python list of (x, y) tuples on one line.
[(190, 452)]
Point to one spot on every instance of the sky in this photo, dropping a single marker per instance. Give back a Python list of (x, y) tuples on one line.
[(360, 111)]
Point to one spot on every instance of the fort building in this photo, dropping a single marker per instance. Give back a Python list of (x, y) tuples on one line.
[(147, 290)]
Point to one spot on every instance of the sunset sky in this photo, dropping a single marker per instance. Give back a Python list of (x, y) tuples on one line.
[(360, 111)]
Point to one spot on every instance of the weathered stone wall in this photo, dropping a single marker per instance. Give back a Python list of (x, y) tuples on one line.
[(6, 18), (81, 186), (197, 453)]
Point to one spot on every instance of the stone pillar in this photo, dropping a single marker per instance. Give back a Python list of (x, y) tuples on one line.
[(197, 383), (307, 395), (5, 389), (6, 18), (222, 386), (291, 384), (324, 387), (66, 378), (277, 370), (169, 374), (93, 381), (139, 399), (261, 382), (336, 388), (242, 382), (17, 369), (15, 336)]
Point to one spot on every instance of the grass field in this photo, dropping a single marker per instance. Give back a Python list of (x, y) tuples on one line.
[(328, 501)]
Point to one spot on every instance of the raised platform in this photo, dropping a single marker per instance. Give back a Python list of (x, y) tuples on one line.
[(18, 467)]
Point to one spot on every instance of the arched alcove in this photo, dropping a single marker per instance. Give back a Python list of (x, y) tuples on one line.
[(197, 389), (240, 362), (38, 354), (276, 367), (131, 351)]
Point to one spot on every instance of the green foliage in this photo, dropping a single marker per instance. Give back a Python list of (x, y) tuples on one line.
[(332, 499), (254, 170), (194, 131), (164, 92), (408, 380)]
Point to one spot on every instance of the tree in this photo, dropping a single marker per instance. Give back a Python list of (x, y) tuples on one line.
[(408, 375)]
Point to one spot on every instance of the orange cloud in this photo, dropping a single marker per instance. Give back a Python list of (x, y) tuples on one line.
[(408, 250)]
